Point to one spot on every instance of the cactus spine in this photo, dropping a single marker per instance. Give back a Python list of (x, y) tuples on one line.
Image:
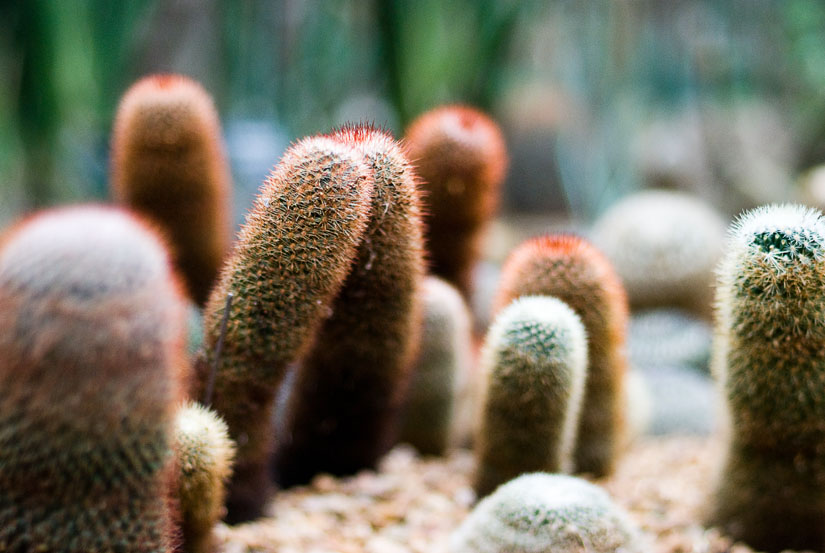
[(344, 407), (91, 342), (292, 257), (533, 364), (769, 354), (168, 163), (461, 158), (571, 269)]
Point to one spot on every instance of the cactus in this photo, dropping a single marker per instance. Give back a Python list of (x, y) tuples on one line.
[(534, 362), (441, 368), (203, 455), (571, 269), (168, 163), (461, 158), (92, 349), (660, 262), (667, 336), (292, 257), (344, 407), (547, 512), (769, 355)]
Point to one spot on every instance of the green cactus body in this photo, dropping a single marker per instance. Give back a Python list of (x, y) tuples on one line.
[(203, 458), (461, 158), (291, 259), (91, 342), (168, 163), (769, 354), (569, 268), (534, 365), (441, 366), (344, 406), (547, 512)]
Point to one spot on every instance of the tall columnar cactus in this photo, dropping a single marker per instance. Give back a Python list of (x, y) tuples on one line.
[(203, 458), (168, 163), (533, 363), (441, 368), (91, 359), (769, 354), (293, 254), (344, 407), (571, 269), (547, 512), (461, 157)]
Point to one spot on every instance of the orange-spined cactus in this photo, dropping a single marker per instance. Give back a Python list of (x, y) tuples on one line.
[(571, 269), (460, 155), (293, 254), (344, 405), (168, 163), (91, 363)]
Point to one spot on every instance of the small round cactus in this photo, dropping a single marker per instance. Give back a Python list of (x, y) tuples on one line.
[(547, 512), (168, 163), (203, 458), (460, 155), (533, 363), (440, 369), (769, 355), (665, 246), (571, 269), (91, 366)]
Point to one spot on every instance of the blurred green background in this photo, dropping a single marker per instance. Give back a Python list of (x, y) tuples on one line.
[(725, 98)]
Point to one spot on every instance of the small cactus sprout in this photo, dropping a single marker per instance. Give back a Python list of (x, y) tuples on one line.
[(547, 512), (292, 257), (203, 456), (91, 362), (533, 363), (168, 163), (441, 368), (571, 269), (769, 355), (461, 157), (344, 408), (665, 246)]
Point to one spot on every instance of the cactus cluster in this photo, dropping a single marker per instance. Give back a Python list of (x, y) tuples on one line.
[(769, 355), (533, 364)]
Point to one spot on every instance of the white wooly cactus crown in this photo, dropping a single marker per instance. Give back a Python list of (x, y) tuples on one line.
[(539, 512)]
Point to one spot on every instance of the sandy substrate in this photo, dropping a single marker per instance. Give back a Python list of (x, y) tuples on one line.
[(412, 504)]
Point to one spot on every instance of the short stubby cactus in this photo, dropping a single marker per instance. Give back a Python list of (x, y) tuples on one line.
[(461, 157), (769, 355), (571, 269), (293, 254), (168, 163), (665, 246), (344, 407), (547, 512), (534, 366), (91, 362), (441, 368), (203, 458)]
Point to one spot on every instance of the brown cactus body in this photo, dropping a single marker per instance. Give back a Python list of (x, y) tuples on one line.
[(460, 155), (571, 269), (168, 163)]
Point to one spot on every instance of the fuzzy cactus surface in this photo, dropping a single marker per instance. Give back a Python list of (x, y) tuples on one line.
[(292, 257), (571, 269), (461, 157), (534, 366), (91, 366), (547, 512), (344, 407), (769, 356), (203, 458), (168, 163)]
